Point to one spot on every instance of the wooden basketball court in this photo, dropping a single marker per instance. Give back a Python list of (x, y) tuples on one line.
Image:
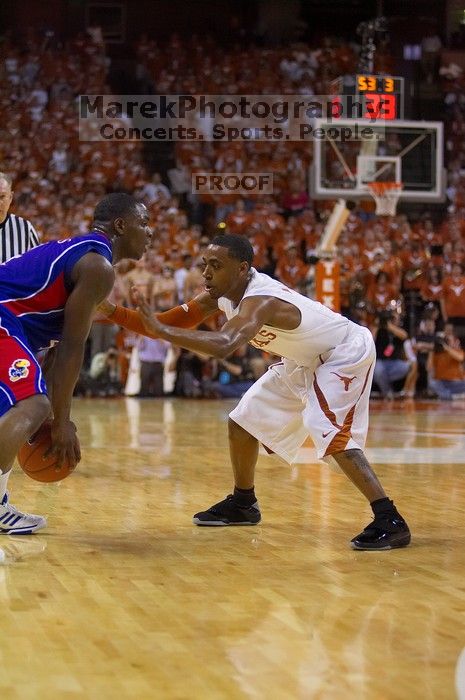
[(122, 597)]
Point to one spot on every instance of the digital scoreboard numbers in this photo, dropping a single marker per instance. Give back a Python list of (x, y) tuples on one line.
[(367, 96), (383, 96), (379, 83)]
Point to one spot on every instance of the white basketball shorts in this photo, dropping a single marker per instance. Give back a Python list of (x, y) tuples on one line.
[(329, 402)]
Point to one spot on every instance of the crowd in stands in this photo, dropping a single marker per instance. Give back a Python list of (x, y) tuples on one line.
[(405, 280)]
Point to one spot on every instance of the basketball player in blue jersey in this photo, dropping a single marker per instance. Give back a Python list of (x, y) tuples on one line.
[(50, 294)]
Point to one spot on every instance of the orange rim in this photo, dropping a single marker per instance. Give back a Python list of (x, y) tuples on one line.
[(382, 187)]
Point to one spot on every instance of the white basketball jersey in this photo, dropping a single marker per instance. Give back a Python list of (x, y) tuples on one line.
[(320, 329)]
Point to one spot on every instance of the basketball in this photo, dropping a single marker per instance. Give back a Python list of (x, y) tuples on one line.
[(31, 461)]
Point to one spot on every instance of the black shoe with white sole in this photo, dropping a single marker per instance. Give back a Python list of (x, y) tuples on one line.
[(229, 512)]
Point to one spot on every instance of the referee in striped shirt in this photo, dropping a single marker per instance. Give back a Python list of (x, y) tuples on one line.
[(17, 235)]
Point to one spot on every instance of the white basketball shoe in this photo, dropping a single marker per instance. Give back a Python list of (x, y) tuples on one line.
[(13, 522)]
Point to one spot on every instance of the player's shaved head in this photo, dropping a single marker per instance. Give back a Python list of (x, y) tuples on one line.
[(113, 206), (125, 222)]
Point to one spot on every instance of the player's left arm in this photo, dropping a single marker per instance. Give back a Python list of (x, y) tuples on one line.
[(252, 314), (93, 278)]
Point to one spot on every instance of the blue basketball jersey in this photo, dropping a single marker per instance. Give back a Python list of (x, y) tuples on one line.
[(35, 286)]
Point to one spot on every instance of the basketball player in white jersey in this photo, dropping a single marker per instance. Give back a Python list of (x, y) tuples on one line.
[(321, 386)]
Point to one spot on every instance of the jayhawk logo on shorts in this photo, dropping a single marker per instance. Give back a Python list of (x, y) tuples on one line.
[(19, 370)]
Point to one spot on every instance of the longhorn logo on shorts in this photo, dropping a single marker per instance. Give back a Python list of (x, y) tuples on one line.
[(19, 370), (346, 380)]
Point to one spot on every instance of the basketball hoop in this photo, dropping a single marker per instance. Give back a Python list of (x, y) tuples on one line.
[(386, 196)]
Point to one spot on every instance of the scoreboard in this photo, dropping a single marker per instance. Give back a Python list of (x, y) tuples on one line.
[(378, 83), (368, 96), (384, 95)]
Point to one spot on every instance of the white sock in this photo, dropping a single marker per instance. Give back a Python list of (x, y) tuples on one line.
[(3, 483)]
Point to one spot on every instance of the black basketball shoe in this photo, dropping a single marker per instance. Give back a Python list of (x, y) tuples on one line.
[(387, 532), (229, 512)]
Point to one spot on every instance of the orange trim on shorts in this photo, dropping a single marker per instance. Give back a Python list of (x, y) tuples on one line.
[(324, 405), (340, 440)]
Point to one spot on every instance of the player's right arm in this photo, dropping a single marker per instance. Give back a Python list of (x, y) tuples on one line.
[(252, 314), (188, 315)]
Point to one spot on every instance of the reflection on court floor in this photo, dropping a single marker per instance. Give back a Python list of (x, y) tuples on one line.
[(121, 596)]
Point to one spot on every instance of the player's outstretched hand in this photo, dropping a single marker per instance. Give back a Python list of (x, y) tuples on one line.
[(148, 318), (65, 444)]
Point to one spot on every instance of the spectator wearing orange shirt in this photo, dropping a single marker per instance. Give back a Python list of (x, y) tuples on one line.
[(284, 242), (373, 269), (307, 229), (369, 248), (453, 304), (381, 293), (392, 265), (273, 223), (238, 220), (458, 254), (260, 248), (291, 270), (414, 264), (431, 289), (446, 375)]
